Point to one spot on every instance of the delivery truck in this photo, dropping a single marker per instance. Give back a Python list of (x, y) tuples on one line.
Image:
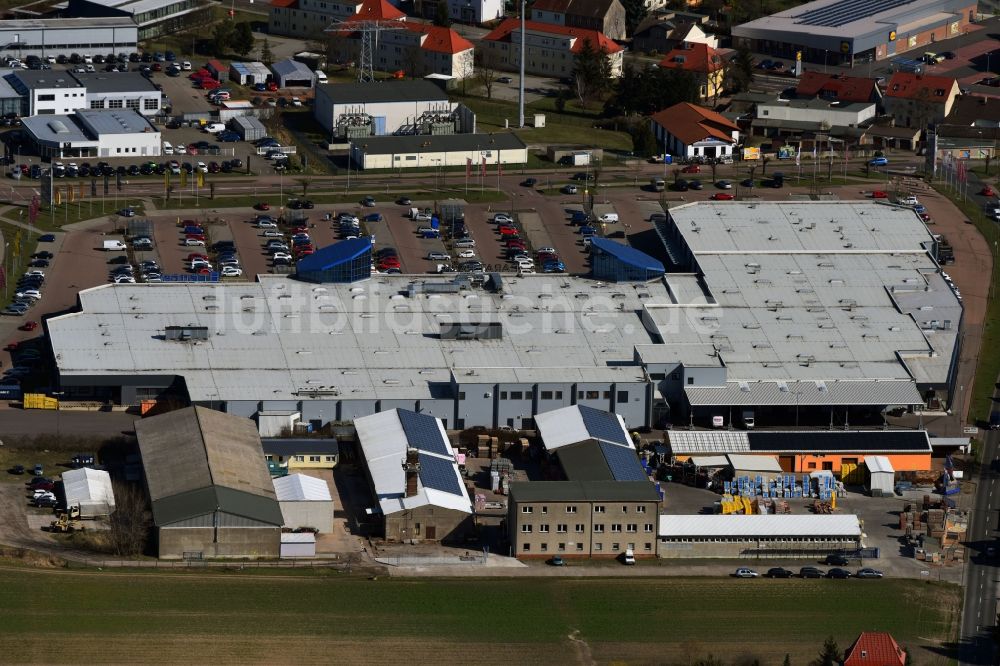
[(110, 245)]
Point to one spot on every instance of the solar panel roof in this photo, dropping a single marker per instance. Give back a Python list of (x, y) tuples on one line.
[(603, 425), (422, 432), (439, 474), (848, 11), (862, 440), (623, 463)]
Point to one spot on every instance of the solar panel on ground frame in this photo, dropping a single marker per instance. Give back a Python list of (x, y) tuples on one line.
[(422, 432), (439, 474)]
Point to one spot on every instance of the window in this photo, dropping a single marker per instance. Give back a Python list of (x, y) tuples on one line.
[(579, 547), (545, 510), (648, 546), (527, 509), (562, 528), (599, 508), (593, 395), (299, 458), (624, 509), (562, 547), (558, 395), (516, 395), (579, 528), (503, 395), (526, 547), (607, 395), (46, 98), (598, 546), (622, 396), (546, 395), (97, 103), (544, 529), (676, 376), (114, 104), (647, 528), (690, 381), (544, 547), (331, 459), (632, 527), (571, 509), (616, 546), (812, 465), (314, 459), (579, 395), (640, 509), (616, 527), (461, 395), (598, 528), (525, 529), (132, 104)]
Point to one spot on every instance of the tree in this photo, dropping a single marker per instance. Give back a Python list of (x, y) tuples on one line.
[(739, 71), (787, 661), (485, 73), (635, 11), (129, 523), (591, 72), (830, 655), (266, 56), (242, 39), (442, 17), (647, 91), (643, 142), (222, 38)]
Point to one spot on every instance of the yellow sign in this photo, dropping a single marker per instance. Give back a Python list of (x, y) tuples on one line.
[(892, 36), (798, 56), (751, 153), (845, 47)]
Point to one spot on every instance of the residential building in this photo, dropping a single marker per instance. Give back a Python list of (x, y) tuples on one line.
[(417, 49), (767, 536), (838, 88), (305, 502), (702, 62), (410, 465), (121, 90), (91, 133), (689, 130), (604, 16), (662, 33), (875, 648), (549, 49), (918, 100), (47, 91), (308, 18), (208, 485), (293, 455), (484, 151), (64, 36), (153, 17), (463, 11), (835, 32), (358, 110)]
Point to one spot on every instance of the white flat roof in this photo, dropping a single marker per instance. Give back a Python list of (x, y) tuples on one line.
[(781, 525), (751, 463)]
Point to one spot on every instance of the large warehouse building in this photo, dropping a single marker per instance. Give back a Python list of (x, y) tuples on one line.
[(800, 312), (845, 31), (208, 485), (87, 133), (64, 36)]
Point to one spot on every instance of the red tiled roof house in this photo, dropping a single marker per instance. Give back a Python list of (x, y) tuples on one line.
[(875, 648), (689, 130), (549, 49)]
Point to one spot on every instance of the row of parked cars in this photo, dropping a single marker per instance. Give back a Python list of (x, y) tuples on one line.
[(809, 572), (287, 246)]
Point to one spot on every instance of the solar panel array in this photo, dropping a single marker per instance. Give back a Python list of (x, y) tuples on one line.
[(695, 442), (422, 432), (603, 425), (439, 474), (847, 11), (623, 463)]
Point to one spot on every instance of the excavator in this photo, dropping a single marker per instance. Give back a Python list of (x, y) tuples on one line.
[(67, 521)]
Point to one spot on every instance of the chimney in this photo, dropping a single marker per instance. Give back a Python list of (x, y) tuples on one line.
[(411, 466)]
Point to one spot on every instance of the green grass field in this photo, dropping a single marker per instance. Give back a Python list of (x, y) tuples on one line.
[(159, 617)]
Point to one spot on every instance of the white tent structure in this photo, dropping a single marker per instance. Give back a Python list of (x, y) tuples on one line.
[(881, 475), (89, 489), (305, 501)]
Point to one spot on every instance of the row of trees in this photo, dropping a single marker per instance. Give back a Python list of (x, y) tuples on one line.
[(229, 37)]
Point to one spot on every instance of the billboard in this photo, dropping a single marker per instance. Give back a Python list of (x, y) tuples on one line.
[(751, 153)]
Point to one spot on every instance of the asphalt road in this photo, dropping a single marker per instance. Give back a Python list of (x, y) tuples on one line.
[(981, 590)]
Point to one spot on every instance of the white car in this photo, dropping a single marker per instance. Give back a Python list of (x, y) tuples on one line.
[(422, 217), (43, 493), (35, 272), (744, 572), (200, 263), (278, 256), (296, 101), (526, 263), (525, 271), (266, 224), (186, 66), (202, 167), (502, 218), (194, 242), (273, 233), (467, 254), (180, 149), (124, 279), (439, 256), (546, 250), (907, 201), (29, 293), (231, 271)]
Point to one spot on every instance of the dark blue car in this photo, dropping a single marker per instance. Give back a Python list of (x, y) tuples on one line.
[(553, 267)]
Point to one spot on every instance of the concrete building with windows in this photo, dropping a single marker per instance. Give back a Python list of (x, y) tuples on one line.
[(605, 16), (492, 151), (208, 485), (918, 100), (807, 312), (90, 133), (550, 50), (44, 37), (836, 32), (305, 502), (410, 465), (152, 17), (47, 92), (360, 110), (770, 536), (285, 456), (307, 18), (689, 130), (121, 90), (462, 11)]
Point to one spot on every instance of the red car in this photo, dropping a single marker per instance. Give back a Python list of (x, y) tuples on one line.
[(987, 191), (210, 84), (272, 86), (196, 255), (723, 196), (11, 346), (548, 256), (879, 194), (506, 231), (29, 326), (200, 237), (262, 205), (519, 244), (691, 168), (925, 217)]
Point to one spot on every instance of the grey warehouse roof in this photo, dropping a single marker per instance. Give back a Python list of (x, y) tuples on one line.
[(583, 491), (422, 143), (386, 91), (292, 68), (115, 82)]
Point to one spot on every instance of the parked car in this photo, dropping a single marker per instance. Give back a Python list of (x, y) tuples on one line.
[(778, 572), (868, 572), (836, 560), (744, 572), (878, 161), (810, 572), (838, 573)]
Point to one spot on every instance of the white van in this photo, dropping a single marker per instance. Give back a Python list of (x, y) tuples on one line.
[(609, 218), (215, 128), (168, 148), (320, 76)]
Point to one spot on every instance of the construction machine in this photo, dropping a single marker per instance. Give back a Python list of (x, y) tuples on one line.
[(66, 521)]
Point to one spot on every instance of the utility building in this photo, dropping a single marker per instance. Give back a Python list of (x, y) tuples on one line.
[(305, 501)]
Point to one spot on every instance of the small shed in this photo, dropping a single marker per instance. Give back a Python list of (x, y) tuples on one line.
[(249, 73), (218, 71), (305, 501), (90, 490), (881, 476), (248, 127), (293, 74), (273, 423), (298, 544)]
